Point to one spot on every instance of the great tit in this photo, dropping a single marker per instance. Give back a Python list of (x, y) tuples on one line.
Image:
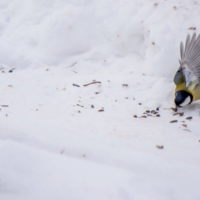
[(187, 78)]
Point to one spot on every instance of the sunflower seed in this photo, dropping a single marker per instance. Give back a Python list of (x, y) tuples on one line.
[(173, 121), (160, 146)]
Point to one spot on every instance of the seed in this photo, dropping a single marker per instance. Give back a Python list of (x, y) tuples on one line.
[(187, 130), (185, 125), (101, 110), (143, 116), (160, 146), (173, 121), (192, 28), (174, 109), (75, 85), (180, 114), (189, 118)]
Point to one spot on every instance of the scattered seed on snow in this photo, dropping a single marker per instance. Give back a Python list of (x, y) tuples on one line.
[(76, 85), (187, 130), (180, 114), (135, 116), (101, 110), (189, 118), (160, 146), (91, 83), (153, 111), (79, 105), (173, 121), (192, 28), (143, 116), (174, 109), (184, 125)]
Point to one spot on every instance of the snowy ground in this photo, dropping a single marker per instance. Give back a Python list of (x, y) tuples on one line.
[(54, 142)]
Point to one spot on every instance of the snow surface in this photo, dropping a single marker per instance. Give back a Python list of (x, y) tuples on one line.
[(52, 148)]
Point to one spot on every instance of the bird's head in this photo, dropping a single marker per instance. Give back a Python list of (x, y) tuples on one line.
[(183, 98)]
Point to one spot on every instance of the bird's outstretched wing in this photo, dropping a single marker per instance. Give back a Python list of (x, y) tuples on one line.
[(190, 62)]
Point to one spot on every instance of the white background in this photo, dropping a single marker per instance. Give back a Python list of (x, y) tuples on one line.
[(51, 148)]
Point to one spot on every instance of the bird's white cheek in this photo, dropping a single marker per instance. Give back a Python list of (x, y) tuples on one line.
[(186, 102)]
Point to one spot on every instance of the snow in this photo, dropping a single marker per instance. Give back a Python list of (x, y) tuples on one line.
[(53, 144)]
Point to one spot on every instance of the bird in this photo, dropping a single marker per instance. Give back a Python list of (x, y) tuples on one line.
[(187, 77)]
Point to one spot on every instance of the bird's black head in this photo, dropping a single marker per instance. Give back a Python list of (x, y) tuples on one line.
[(183, 98)]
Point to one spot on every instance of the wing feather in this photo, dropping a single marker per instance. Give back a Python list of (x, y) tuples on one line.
[(190, 61)]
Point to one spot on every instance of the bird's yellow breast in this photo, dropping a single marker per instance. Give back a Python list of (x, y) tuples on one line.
[(195, 93)]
